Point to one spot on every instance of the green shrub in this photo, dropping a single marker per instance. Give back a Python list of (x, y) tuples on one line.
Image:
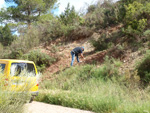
[(17, 54), (109, 96), (22, 44), (147, 33), (6, 38), (53, 29), (65, 98), (147, 37), (11, 101), (137, 17), (70, 16), (95, 19), (67, 30), (42, 60), (109, 69), (68, 78), (27, 40), (102, 43), (91, 8), (136, 29), (79, 32), (107, 40), (76, 75), (1, 48), (111, 15), (143, 68), (50, 30), (102, 15)]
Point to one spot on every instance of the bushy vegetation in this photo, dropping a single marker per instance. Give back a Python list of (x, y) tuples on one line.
[(11, 101), (137, 17), (102, 43), (143, 68), (102, 15), (97, 89), (42, 60), (26, 11), (21, 45), (70, 25), (107, 40), (70, 16), (132, 14), (78, 75), (107, 97), (87, 72), (6, 37)]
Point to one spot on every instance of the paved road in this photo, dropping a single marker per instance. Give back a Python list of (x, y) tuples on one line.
[(38, 107)]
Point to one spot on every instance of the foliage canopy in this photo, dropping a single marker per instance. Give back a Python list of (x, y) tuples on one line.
[(6, 37), (28, 11)]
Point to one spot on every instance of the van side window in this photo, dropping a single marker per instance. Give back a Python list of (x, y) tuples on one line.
[(25, 69), (2, 67), (18, 70)]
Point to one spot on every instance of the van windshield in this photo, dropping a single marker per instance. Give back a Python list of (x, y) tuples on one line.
[(22, 69), (2, 67)]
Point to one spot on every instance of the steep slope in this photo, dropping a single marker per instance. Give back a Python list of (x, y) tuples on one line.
[(128, 57), (65, 56)]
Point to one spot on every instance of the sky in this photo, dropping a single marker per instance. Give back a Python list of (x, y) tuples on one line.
[(2, 3), (62, 4), (78, 4)]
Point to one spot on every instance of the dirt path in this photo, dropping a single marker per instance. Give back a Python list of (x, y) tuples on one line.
[(65, 56), (38, 107)]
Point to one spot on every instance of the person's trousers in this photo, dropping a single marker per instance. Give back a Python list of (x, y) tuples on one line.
[(73, 56)]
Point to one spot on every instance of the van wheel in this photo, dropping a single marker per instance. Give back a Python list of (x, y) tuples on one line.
[(31, 99)]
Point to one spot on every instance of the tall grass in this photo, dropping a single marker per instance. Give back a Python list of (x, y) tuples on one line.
[(10, 101), (13, 98), (90, 88)]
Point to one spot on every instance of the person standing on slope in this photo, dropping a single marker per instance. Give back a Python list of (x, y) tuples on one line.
[(75, 52)]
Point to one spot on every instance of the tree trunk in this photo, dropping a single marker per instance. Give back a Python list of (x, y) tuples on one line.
[(29, 21)]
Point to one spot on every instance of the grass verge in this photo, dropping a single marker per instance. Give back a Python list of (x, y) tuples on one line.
[(90, 88)]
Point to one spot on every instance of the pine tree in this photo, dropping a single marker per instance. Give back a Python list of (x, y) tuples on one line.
[(6, 37), (69, 16), (28, 11)]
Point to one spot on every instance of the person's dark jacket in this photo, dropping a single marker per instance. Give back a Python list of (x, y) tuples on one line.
[(77, 51)]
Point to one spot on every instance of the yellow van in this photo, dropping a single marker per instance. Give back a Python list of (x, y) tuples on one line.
[(21, 75)]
